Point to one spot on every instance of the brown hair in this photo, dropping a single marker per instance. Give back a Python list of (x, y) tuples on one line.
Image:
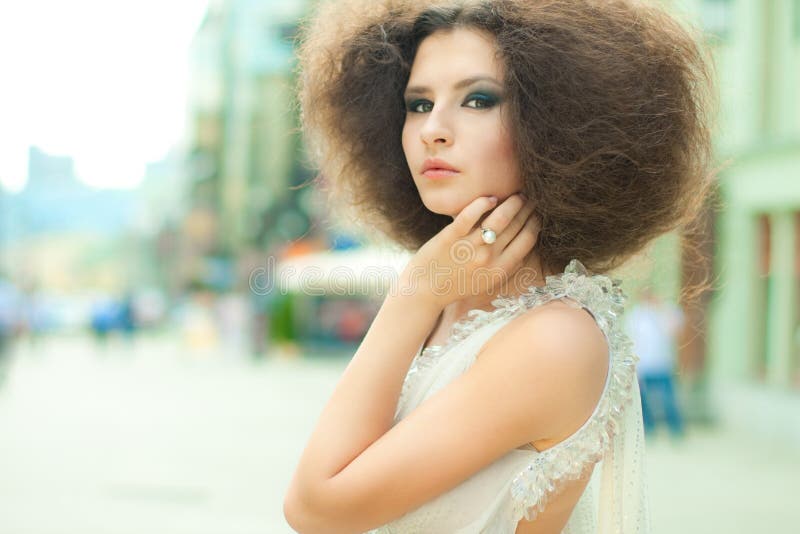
[(610, 103)]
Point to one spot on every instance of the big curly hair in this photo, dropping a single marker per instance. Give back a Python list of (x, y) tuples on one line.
[(610, 105)]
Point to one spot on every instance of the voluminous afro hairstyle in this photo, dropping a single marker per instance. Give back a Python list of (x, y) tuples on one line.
[(610, 106)]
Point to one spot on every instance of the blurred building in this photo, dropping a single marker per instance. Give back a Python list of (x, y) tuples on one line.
[(244, 149), (55, 201), (249, 203), (61, 234), (739, 355), (160, 211), (754, 331)]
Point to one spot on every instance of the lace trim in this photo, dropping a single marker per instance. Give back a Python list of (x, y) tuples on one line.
[(461, 329), (592, 294), (544, 477)]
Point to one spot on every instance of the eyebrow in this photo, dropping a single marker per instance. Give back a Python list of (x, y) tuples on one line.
[(417, 89)]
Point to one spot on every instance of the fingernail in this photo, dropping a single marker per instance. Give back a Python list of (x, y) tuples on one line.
[(493, 199)]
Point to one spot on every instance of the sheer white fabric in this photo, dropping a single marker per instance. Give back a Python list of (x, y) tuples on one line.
[(521, 483)]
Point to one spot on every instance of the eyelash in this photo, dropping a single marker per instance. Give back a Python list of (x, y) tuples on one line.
[(488, 102)]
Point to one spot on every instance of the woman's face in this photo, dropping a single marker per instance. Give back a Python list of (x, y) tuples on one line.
[(456, 114)]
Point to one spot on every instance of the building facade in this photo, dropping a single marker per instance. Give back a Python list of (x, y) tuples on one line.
[(751, 365)]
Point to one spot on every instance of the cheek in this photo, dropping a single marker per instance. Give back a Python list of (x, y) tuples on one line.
[(504, 158), (405, 139)]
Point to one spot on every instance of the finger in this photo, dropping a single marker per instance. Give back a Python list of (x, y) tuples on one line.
[(523, 242), (499, 219), (469, 216), (515, 225)]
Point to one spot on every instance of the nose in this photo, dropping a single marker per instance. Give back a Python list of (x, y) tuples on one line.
[(436, 130)]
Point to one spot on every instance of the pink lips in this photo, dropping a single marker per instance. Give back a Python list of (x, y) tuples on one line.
[(438, 168)]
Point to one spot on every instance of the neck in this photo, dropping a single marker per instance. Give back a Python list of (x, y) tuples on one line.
[(531, 274)]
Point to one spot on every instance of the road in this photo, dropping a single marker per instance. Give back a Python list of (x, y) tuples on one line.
[(150, 437)]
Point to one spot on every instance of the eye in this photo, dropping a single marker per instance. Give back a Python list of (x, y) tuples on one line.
[(419, 106), (481, 101)]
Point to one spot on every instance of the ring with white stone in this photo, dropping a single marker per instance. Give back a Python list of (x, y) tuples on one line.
[(488, 235)]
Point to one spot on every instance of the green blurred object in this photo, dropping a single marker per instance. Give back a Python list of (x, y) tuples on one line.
[(282, 326)]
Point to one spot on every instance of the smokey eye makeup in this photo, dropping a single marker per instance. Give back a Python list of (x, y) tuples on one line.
[(418, 105), (483, 99), (475, 100)]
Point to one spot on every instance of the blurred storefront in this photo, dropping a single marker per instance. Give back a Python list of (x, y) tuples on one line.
[(330, 297)]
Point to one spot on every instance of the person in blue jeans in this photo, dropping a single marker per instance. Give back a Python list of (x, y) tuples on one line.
[(652, 325)]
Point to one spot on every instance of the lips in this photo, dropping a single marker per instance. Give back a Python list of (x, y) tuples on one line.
[(438, 168)]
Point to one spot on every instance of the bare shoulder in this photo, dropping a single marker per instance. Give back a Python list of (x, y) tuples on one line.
[(561, 352)]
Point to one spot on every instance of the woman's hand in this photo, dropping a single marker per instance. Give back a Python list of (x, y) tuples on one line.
[(456, 262)]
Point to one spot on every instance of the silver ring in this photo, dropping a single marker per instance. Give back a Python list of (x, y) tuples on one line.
[(488, 235)]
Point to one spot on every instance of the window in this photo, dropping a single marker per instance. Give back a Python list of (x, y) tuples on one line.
[(796, 329), (761, 296), (717, 17), (288, 32), (796, 20)]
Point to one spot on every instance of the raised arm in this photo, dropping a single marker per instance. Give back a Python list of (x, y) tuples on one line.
[(362, 406), (537, 379)]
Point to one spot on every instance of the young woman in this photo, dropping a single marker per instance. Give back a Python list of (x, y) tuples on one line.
[(520, 149)]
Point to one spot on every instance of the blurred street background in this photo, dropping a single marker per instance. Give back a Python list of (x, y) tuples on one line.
[(177, 301), (146, 436)]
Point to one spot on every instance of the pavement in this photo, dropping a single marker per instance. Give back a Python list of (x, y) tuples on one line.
[(149, 436)]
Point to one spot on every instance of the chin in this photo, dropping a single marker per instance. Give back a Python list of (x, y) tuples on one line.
[(443, 207)]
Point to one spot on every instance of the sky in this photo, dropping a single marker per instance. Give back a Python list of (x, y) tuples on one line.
[(103, 81)]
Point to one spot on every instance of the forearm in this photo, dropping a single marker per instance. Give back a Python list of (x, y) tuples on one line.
[(362, 406)]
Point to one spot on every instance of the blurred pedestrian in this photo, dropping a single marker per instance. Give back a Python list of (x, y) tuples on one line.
[(9, 321), (653, 325)]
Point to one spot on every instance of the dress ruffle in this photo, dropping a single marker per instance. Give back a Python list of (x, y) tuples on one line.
[(570, 459), (548, 472)]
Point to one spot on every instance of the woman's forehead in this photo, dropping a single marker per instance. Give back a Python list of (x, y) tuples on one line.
[(456, 54)]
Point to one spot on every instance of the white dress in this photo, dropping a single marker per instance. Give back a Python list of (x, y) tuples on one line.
[(520, 483)]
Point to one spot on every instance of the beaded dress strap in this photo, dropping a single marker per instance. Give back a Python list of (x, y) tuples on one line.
[(546, 475)]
